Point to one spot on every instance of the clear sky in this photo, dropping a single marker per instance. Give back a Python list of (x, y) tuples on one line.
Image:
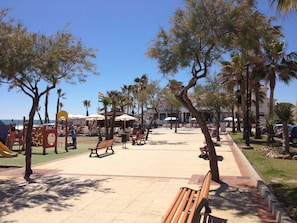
[(121, 31)]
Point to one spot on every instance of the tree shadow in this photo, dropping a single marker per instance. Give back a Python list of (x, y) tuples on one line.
[(232, 198), (52, 192)]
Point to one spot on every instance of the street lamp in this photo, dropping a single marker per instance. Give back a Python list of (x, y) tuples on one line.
[(247, 124)]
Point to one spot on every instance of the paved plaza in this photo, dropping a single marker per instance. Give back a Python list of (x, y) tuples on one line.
[(135, 184)]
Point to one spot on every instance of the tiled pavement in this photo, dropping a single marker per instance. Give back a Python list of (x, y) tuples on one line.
[(136, 184)]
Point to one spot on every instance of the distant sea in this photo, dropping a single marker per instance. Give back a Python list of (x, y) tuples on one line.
[(19, 122)]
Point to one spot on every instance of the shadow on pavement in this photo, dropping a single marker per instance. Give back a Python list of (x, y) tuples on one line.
[(226, 198), (52, 192)]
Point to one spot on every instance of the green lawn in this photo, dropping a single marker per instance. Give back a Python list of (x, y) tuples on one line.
[(279, 174), (38, 157)]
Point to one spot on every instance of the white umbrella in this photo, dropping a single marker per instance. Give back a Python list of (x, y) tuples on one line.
[(170, 119), (125, 117), (76, 116), (95, 117), (229, 119)]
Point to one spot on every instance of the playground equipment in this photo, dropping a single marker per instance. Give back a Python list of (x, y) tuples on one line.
[(4, 151), (47, 135)]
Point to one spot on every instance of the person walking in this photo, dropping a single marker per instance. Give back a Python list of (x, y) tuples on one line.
[(73, 136)]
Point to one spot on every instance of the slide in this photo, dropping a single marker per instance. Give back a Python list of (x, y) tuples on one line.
[(4, 151)]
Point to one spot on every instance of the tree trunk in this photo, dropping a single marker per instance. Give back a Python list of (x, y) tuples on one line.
[(106, 122), (233, 122), (112, 123), (218, 114), (58, 104), (46, 117), (213, 162), (271, 98), (286, 145), (28, 138), (155, 116), (258, 131)]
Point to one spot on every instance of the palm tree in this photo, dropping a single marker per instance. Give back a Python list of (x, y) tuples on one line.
[(232, 76), (114, 100), (127, 100), (258, 74), (279, 67), (285, 5), (284, 112), (106, 102), (60, 106), (61, 95), (87, 104), (141, 84)]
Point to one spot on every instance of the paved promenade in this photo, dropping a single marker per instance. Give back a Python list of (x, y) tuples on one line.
[(136, 184)]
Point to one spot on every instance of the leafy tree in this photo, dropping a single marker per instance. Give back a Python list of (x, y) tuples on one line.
[(284, 112), (174, 87), (192, 41), (30, 61), (215, 98), (199, 34), (154, 94)]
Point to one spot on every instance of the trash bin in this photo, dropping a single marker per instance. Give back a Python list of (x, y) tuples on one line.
[(124, 138)]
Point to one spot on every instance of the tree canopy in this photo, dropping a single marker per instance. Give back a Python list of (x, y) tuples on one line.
[(200, 33), (36, 63)]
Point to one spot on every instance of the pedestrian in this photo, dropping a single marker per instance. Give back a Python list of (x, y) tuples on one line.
[(204, 152), (73, 136), (11, 138)]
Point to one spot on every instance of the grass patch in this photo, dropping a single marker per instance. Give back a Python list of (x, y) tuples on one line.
[(38, 157), (279, 174)]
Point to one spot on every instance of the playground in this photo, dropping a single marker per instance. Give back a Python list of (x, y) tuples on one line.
[(46, 137)]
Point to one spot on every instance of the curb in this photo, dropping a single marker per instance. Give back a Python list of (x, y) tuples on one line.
[(271, 201)]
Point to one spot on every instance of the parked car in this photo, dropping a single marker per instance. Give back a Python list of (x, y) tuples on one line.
[(278, 130), (293, 134)]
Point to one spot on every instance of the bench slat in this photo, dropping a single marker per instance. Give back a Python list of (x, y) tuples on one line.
[(188, 203), (174, 206)]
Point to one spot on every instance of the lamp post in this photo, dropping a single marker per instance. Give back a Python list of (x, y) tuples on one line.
[(247, 101)]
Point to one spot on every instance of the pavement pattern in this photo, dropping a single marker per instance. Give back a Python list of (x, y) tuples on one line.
[(135, 184)]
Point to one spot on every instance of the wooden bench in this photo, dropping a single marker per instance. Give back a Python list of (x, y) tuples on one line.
[(102, 145), (138, 139), (188, 204)]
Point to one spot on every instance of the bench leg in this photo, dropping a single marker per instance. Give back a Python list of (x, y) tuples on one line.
[(109, 148), (94, 151)]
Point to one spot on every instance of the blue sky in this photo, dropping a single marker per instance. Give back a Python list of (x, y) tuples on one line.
[(121, 31)]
